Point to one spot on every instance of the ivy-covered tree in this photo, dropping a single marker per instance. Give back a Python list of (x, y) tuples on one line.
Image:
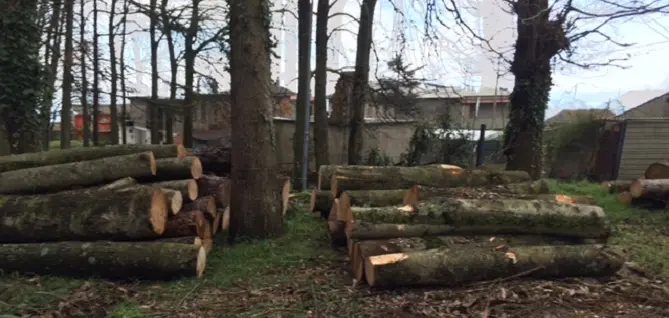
[(21, 74)]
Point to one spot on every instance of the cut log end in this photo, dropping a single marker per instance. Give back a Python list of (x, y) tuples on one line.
[(175, 200), (225, 222), (201, 263), (411, 196), (181, 151), (211, 206), (192, 190), (334, 185), (312, 200), (151, 159), (208, 245), (344, 204), (158, 211), (196, 169), (216, 225), (636, 189), (285, 196), (380, 260)]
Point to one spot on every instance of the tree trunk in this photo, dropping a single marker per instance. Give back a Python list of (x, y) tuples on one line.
[(656, 189), (511, 190), (488, 217), (186, 223), (47, 158), (304, 16), (657, 170), (85, 111), (119, 184), (66, 108), (188, 188), (124, 113), (217, 187), (96, 77), (174, 68), (205, 204), (52, 58), (114, 77), (361, 82), (457, 267), (617, 186), (321, 201), (110, 260), (83, 215), (77, 174), (255, 204), (321, 141), (189, 58), (154, 124), (379, 178), (169, 169)]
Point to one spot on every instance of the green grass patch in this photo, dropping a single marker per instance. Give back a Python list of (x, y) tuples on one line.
[(643, 233), (127, 310)]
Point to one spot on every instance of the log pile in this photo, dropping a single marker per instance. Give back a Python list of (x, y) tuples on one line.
[(448, 226), (116, 212), (651, 191)]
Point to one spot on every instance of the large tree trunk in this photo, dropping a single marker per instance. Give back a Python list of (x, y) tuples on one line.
[(321, 201), (482, 217), (83, 215), (111, 260), (302, 109), (405, 177), (66, 109), (657, 170), (54, 157), (255, 209), (188, 188), (77, 174), (456, 267), (174, 67), (168, 169), (154, 124), (361, 82), (321, 141), (114, 75)]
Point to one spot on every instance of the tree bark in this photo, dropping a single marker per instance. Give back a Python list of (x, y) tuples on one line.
[(361, 82), (189, 59), (511, 190), (657, 170), (154, 122), (304, 17), (255, 204), (96, 76), (205, 204), (657, 189), (174, 68), (487, 217), (456, 267), (218, 187), (110, 260), (379, 178), (83, 215), (168, 169), (321, 139), (321, 201), (173, 197), (186, 223), (188, 188), (214, 160), (85, 107), (617, 186), (66, 109), (77, 174), (54, 157), (114, 77)]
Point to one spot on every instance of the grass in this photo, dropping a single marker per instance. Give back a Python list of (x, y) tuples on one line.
[(643, 233), (285, 276)]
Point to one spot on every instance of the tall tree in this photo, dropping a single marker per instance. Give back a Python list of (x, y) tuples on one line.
[(255, 210), (114, 77), (189, 56), (321, 141), (51, 59), (96, 76), (124, 106), (66, 109), (174, 69), (154, 122), (361, 82), (301, 135), (83, 52), (20, 73)]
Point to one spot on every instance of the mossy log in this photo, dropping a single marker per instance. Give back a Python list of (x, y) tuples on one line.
[(205, 204), (385, 178), (186, 223), (418, 193), (458, 266), (188, 187), (168, 169), (119, 184), (77, 174), (326, 172), (657, 170), (218, 187), (493, 217), (111, 260), (322, 200), (362, 250), (60, 156), (617, 186), (83, 216), (650, 189)]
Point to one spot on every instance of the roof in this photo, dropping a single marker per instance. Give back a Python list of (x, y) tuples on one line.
[(571, 115), (664, 96)]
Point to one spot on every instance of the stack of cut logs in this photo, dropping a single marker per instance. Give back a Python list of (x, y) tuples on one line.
[(651, 191), (118, 212), (444, 225)]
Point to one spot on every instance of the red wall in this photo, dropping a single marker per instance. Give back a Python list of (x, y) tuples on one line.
[(104, 123)]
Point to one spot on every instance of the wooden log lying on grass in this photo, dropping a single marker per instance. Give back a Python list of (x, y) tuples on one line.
[(326, 172), (456, 267), (381, 178), (474, 217), (77, 174), (188, 187), (218, 187), (617, 186), (657, 170), (60, 156), (539, 188), (168, 169), (321, 201), (111, 260), (650, 189), (83, 216)]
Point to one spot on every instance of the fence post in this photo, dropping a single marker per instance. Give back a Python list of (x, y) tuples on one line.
[(479, 146)]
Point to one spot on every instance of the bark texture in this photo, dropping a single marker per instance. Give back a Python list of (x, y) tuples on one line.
[(186, 223), (111, 260), (83, 216), (188, 188), (216, 160), (321, 201), (650, 189), (255, 203), (657, 170), (205, 204), (60, 156), (496, 217), (218, 187), (168, 169), (119, 184), (455, 267), (77, 174)]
